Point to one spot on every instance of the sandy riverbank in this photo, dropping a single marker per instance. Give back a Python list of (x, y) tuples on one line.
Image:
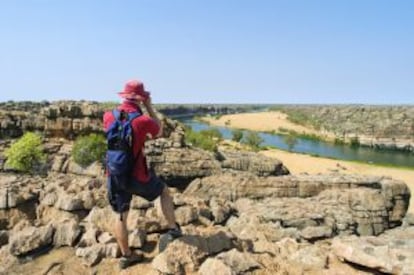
[(300, 163), (264, 122)]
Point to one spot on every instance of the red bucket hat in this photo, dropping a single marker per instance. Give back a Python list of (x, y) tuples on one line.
[(134, 89)]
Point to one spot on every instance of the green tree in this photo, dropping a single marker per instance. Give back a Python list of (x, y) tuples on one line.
[(24, 154), (253, 140), (88, 149), (237, 135)]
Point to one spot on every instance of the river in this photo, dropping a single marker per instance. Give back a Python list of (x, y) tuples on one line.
[(321, 148)]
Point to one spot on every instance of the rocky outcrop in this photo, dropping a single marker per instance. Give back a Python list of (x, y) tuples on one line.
[(251, 162), (62, 118), (179, 166), (390, 253), (239, 211), (308, 207)]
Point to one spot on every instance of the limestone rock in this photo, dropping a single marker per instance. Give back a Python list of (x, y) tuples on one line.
[(101, 218), (92, 254), (137, 238), (90, 237), (310, 258), (112, 250), (29, 239), (140, 203), (66, 233), (4, 237), (179, 166), (69, 203), (185, 215), (213, 266), (107, 238), (389, 253), (252, 162), (347, 204), (239, 262), (93, 170), (316, 232), (186, 253)]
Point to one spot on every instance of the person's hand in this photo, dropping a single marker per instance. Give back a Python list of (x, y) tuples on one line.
[(147, 102)]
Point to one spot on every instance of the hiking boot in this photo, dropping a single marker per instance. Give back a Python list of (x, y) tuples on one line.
[(169, 237), (127, 261)]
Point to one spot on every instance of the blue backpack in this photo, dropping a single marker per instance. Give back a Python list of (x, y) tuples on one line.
[(120, 158)]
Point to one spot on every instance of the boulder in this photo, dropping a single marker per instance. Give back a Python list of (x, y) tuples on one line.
[(389, 253), (89, 237), (29, 239), (186, 254), (137, 238), (316, 232), (231, 262), (93, 170), (251, 162), (213, 266), (92, 255), (66, 233), (107, 238), (69, 203), (310, 258), (186, 214), (220, 209), (102, 218), (179, 166)]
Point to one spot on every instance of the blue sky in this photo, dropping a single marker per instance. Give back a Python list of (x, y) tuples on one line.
[(208, 51)]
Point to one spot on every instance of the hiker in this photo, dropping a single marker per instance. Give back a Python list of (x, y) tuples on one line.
[(140, 181)]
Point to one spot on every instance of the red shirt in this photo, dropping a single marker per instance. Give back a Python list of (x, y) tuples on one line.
[(141, 127)]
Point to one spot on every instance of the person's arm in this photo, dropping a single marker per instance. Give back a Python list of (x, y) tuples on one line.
[(153, 115)]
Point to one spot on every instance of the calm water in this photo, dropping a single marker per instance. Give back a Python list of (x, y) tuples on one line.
[(321, 148)]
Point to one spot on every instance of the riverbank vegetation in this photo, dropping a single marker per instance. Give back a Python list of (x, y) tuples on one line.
[(205, 139)]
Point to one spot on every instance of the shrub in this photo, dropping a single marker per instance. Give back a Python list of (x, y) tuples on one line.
[(88, 149), (206, 139), (253, 140), (24, 154), (212, 133), (237, 135)]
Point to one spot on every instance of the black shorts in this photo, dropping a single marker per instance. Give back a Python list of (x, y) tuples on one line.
[(120, 199)]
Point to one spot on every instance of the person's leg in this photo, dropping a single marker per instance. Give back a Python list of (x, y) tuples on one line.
[(167, 207), (153, 189), (121, 233)]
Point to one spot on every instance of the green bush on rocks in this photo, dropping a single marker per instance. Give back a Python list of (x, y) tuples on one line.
[(26, 153), (205, 139), (88, 149)]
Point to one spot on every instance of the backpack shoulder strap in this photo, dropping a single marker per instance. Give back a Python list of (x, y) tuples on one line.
[(117, 114), (133, 115)]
